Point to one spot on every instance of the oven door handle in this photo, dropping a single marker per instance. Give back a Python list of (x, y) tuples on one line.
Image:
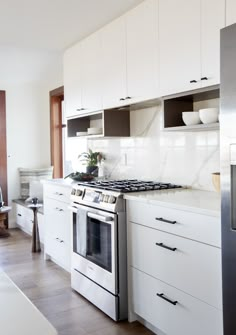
[(73, 209), (100, 217)]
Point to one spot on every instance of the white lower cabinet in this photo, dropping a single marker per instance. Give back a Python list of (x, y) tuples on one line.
[(181, 315), (57, 246), (193, 267), (174, 269), (25, 219)]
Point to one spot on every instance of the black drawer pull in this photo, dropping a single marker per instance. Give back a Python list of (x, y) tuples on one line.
[(58, 193), (122, 99), (193, 81), (161, 295), (165, 246), (204, 78), (167, 221), (59, 209), (19, 214)]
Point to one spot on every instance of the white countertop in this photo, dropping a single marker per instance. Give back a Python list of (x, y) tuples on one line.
[(17, 314), (68, 182), (202, 202)]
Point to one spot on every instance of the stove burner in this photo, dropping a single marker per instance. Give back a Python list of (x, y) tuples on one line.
[(126, 186)]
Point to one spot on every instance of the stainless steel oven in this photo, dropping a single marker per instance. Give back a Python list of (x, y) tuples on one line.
[(95, 245), (99, 265)]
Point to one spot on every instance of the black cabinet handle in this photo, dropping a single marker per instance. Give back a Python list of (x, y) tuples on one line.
[(122, 99), (167, 221), (127, 98), (59, 209), (162, 245), (19, 214), (161, 295), (82, 109), (193, 81), (78, 109), (204, 78)]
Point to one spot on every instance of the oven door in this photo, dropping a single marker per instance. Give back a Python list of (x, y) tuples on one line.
[(94, 252)]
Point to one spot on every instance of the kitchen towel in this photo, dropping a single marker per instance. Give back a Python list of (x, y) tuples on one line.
[(81, 232)]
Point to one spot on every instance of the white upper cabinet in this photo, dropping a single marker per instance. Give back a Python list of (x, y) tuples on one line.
[(189, 43), (72, 81), (212, 20), (113, 79), (142, 51), (91, 73), (160, 47), (179, 34), (230, 12)]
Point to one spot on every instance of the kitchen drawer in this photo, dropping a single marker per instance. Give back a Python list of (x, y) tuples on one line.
[(193, 267), (203, 228), (57, 217), (58, 249), (57, 192), (187, 316)]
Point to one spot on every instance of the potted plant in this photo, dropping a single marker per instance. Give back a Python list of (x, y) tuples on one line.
[(91, 160)]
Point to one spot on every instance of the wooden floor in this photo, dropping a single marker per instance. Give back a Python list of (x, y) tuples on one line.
[(48, 287)]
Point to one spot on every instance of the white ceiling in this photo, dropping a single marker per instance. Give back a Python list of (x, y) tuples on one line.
[(55, 24)]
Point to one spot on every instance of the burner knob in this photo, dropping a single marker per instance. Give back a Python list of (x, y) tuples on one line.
[(106, 198), (79, 193), (73, 191), (112, 199), (101, 197)]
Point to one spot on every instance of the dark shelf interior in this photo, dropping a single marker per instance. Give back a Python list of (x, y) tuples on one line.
[(115, 121), (174, 106)]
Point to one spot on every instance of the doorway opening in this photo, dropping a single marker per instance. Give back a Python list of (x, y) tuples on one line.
[(56, 131), (3, 147)]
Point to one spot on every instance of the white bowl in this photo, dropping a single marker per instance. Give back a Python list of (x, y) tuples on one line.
[(94, 131), (209, 115), (191, 118), (81, 133)]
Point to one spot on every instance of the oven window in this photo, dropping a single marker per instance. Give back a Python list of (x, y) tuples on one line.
[(99, 243), (93, 240)]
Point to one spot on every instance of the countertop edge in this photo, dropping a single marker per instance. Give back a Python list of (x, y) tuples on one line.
[(164, 203)]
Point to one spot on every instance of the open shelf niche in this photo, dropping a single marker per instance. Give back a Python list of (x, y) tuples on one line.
[(114, 122), (173, 106)]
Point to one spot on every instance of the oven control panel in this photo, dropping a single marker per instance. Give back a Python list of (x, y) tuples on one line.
[(93, 196), (98, 197)]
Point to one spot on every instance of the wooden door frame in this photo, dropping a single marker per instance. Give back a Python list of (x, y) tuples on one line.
[(56, 97), (3, 147)]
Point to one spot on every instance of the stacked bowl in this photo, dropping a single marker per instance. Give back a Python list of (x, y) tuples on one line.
[(205, 116)]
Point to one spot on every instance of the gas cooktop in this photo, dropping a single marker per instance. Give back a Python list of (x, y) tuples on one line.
[(128, 185)]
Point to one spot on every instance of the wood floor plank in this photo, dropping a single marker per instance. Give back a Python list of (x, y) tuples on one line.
[(48, 287)]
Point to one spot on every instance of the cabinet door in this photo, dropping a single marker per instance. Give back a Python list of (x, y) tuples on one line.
[(184, 316), (20, 219), (57, 231), (29, 220), (73, 81), (180, 54), (230, 12), (91, 73), (212, 20), (142, 51), (114, 64)]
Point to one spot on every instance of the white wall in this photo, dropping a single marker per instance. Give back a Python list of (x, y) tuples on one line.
[(27, 76), (153, 154)]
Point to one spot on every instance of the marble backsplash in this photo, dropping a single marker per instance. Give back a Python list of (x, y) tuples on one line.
[(186, 158)]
